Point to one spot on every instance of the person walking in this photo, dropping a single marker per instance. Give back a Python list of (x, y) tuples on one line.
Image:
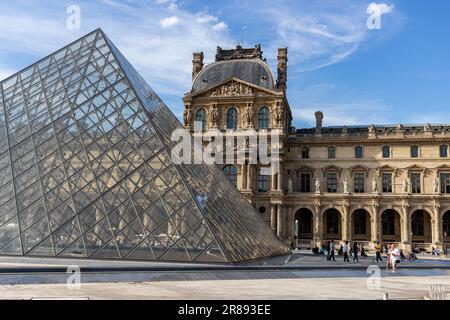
[(328, 250), (388, 257), (378, 251), (332, 250), (346, 248), (355, 252), (395, 257)]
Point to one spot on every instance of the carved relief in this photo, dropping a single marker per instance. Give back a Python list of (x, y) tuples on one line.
[(215, 115), (187, 116), (248, 115), (278, 114), (234, 89)]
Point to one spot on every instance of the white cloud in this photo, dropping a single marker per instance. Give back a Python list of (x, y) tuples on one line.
[(205, 18), (221, 26), (169, 21), (381, 8)]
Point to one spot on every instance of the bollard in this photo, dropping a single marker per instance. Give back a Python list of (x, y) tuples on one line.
[(386, 296)]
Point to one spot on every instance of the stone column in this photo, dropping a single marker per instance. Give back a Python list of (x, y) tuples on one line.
[(280, 223), (375, 225), (436, 226), (318, 226), (280, 178), (244, 177), (406, 227), (273, 216), (345, 224), (273, 183), (249, 176)]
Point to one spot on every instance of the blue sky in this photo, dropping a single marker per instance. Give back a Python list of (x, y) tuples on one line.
[(397, 74)]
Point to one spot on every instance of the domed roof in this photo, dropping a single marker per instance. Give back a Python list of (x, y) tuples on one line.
[(255, 71)]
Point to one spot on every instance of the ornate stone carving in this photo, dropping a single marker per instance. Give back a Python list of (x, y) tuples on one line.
[(290, 185), (278, 114), (187, 117), (317, 185), (248, 115), (346, 186), (232, 89), (215, 115), (374, 186)]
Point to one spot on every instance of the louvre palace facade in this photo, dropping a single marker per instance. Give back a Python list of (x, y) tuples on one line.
[(388, 183)]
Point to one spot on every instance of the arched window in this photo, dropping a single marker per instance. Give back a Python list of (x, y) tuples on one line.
[(232, 119), (386, 151), (414, 151), (200, 120), (263, 118), (230, 172), (443, 151), (358, 152)]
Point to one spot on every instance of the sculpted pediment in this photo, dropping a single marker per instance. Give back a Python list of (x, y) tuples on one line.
[(233, 88)]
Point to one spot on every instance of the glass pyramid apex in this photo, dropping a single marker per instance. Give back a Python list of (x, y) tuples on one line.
[(85, 170)]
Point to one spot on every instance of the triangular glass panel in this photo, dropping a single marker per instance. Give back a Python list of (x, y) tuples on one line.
[(85, 157)]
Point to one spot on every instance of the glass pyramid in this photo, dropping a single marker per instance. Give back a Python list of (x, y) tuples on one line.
[(85, 170)]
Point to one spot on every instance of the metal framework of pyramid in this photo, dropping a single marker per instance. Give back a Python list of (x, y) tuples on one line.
[(85, 170)]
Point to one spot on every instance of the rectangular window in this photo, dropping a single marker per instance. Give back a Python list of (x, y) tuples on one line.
[(305, 153), (263, 183), (443, 151), (359, 182), (331, 153), (358, 152), (332, 182), (415, 183), (305, 183), (414, 152), (445, 182), (386, 152), (387, 182)]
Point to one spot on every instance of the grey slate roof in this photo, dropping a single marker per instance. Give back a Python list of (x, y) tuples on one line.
[(254, 71)]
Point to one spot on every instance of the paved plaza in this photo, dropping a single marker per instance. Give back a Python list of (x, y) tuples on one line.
[(299, 276)]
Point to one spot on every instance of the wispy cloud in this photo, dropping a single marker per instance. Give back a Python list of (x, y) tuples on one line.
[(159, 36), (168, 22)]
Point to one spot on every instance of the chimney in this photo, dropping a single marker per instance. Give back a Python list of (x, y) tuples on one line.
[(319, 118), (197, 63), (282, 68)]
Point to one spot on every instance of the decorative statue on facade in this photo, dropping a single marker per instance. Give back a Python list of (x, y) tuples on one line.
[(405, 185), (374, 186), (278, 115), (249, 115), (317, 185), (290, 185), (215, 116), (187, 117), (427, 127), (371, 128), (346, 186), (435, 185)]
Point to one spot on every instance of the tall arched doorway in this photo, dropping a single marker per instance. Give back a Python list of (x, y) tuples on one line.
[(390, 226), (361, 225), (304, 218), (421, 227), (332, 229)]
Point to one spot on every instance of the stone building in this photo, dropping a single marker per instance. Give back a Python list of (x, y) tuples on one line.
[(360, 183)]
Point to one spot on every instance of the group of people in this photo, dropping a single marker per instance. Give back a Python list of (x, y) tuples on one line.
[(345, 250), (392, 253)]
